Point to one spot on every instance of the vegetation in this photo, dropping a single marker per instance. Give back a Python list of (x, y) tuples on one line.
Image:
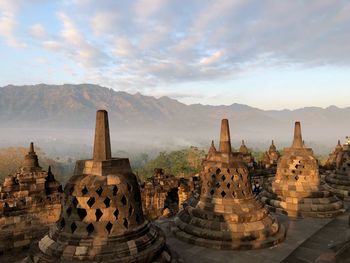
[(182, 163)]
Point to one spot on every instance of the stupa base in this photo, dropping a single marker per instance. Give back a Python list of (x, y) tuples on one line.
[(239, 243), (338, 185), (320, 204)]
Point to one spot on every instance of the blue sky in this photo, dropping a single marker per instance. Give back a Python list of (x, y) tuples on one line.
[(269, 54)]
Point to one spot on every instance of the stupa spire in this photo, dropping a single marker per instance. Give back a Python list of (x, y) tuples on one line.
[(31, 148), (102, 144), (225, 140), (298, 141)]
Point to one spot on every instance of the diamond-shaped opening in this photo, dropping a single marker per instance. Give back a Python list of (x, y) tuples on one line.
[(107, 201), (71, 190), (109, 227), (75, 202), (131, 209), (123, 200), (73, 227), (228, 171), (81, 213), (293, 171), (296, 178), (218, 171), (115, 190), (233, 194), (213, 176), (98, 214), (228, 185), (212, 191), (128, 186), (99, 191), (223, 194), (116, 214), (69, 211), (223, 177), (84, 191), (217, 185), (232, 178), (90, 228), (91, 201), (126, 223), (62, 223)]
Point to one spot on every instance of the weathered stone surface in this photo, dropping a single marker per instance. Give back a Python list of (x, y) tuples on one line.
[(164, 191), (247, 156), (338, 181), (30, 202), (225, 215), (296, 189), (271, 157), (102, 218), (334, 157)]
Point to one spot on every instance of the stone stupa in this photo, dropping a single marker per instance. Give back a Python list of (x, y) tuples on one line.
[(102, 218), (339, 180), (271, 156), (226, 214), (331, 162), (296, 189), (30, 202), (246, 155)]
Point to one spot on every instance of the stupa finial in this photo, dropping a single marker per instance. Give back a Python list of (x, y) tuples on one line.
[(272, 143), (225, 140), (298, 141), (102, 144), (31, 147)]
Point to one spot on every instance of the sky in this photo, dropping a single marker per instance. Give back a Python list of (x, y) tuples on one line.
[(269, 54)]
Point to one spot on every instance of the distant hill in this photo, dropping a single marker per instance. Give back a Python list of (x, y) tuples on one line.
[(62, 107)]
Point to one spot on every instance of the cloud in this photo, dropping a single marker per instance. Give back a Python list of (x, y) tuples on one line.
[(149, 43), (38, 31), (8, 23)]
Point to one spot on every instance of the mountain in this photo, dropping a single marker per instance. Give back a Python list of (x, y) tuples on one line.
[(64, 112)]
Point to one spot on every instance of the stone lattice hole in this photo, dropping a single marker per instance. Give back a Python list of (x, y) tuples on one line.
[(73, 227), (99, 191), (131, 209), (212, 191), (84, 191), (90, 228), (116, 214), (123, 200), (62, 223), (223, 194), (115, 190), (228, 185), (91, 201), (107, 202), (128, 187), (98, 214), (126, 223), (81, 213), (109, 227), (75, 202)]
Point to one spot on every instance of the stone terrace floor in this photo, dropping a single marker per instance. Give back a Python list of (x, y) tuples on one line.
[(306, 240)]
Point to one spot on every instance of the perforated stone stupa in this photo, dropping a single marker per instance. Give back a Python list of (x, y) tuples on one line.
[(296, 189), (102, 219), (271, 156), (246, 155), (339, 180), (226, 215), (331, 162), (30, 201)]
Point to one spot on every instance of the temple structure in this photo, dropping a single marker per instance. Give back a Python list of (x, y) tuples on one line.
[(296, 189), (338, 181), (247, 155), (102, 218), (331, 162), (226, 215), (270, 157), (164, 194), (30, 202)]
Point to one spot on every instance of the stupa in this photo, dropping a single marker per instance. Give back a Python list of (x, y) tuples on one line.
[(331, 162), (339, 180), (296, 189), (247, 155), (226, 214), (271, 156), (102, 218), (30, 201)]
